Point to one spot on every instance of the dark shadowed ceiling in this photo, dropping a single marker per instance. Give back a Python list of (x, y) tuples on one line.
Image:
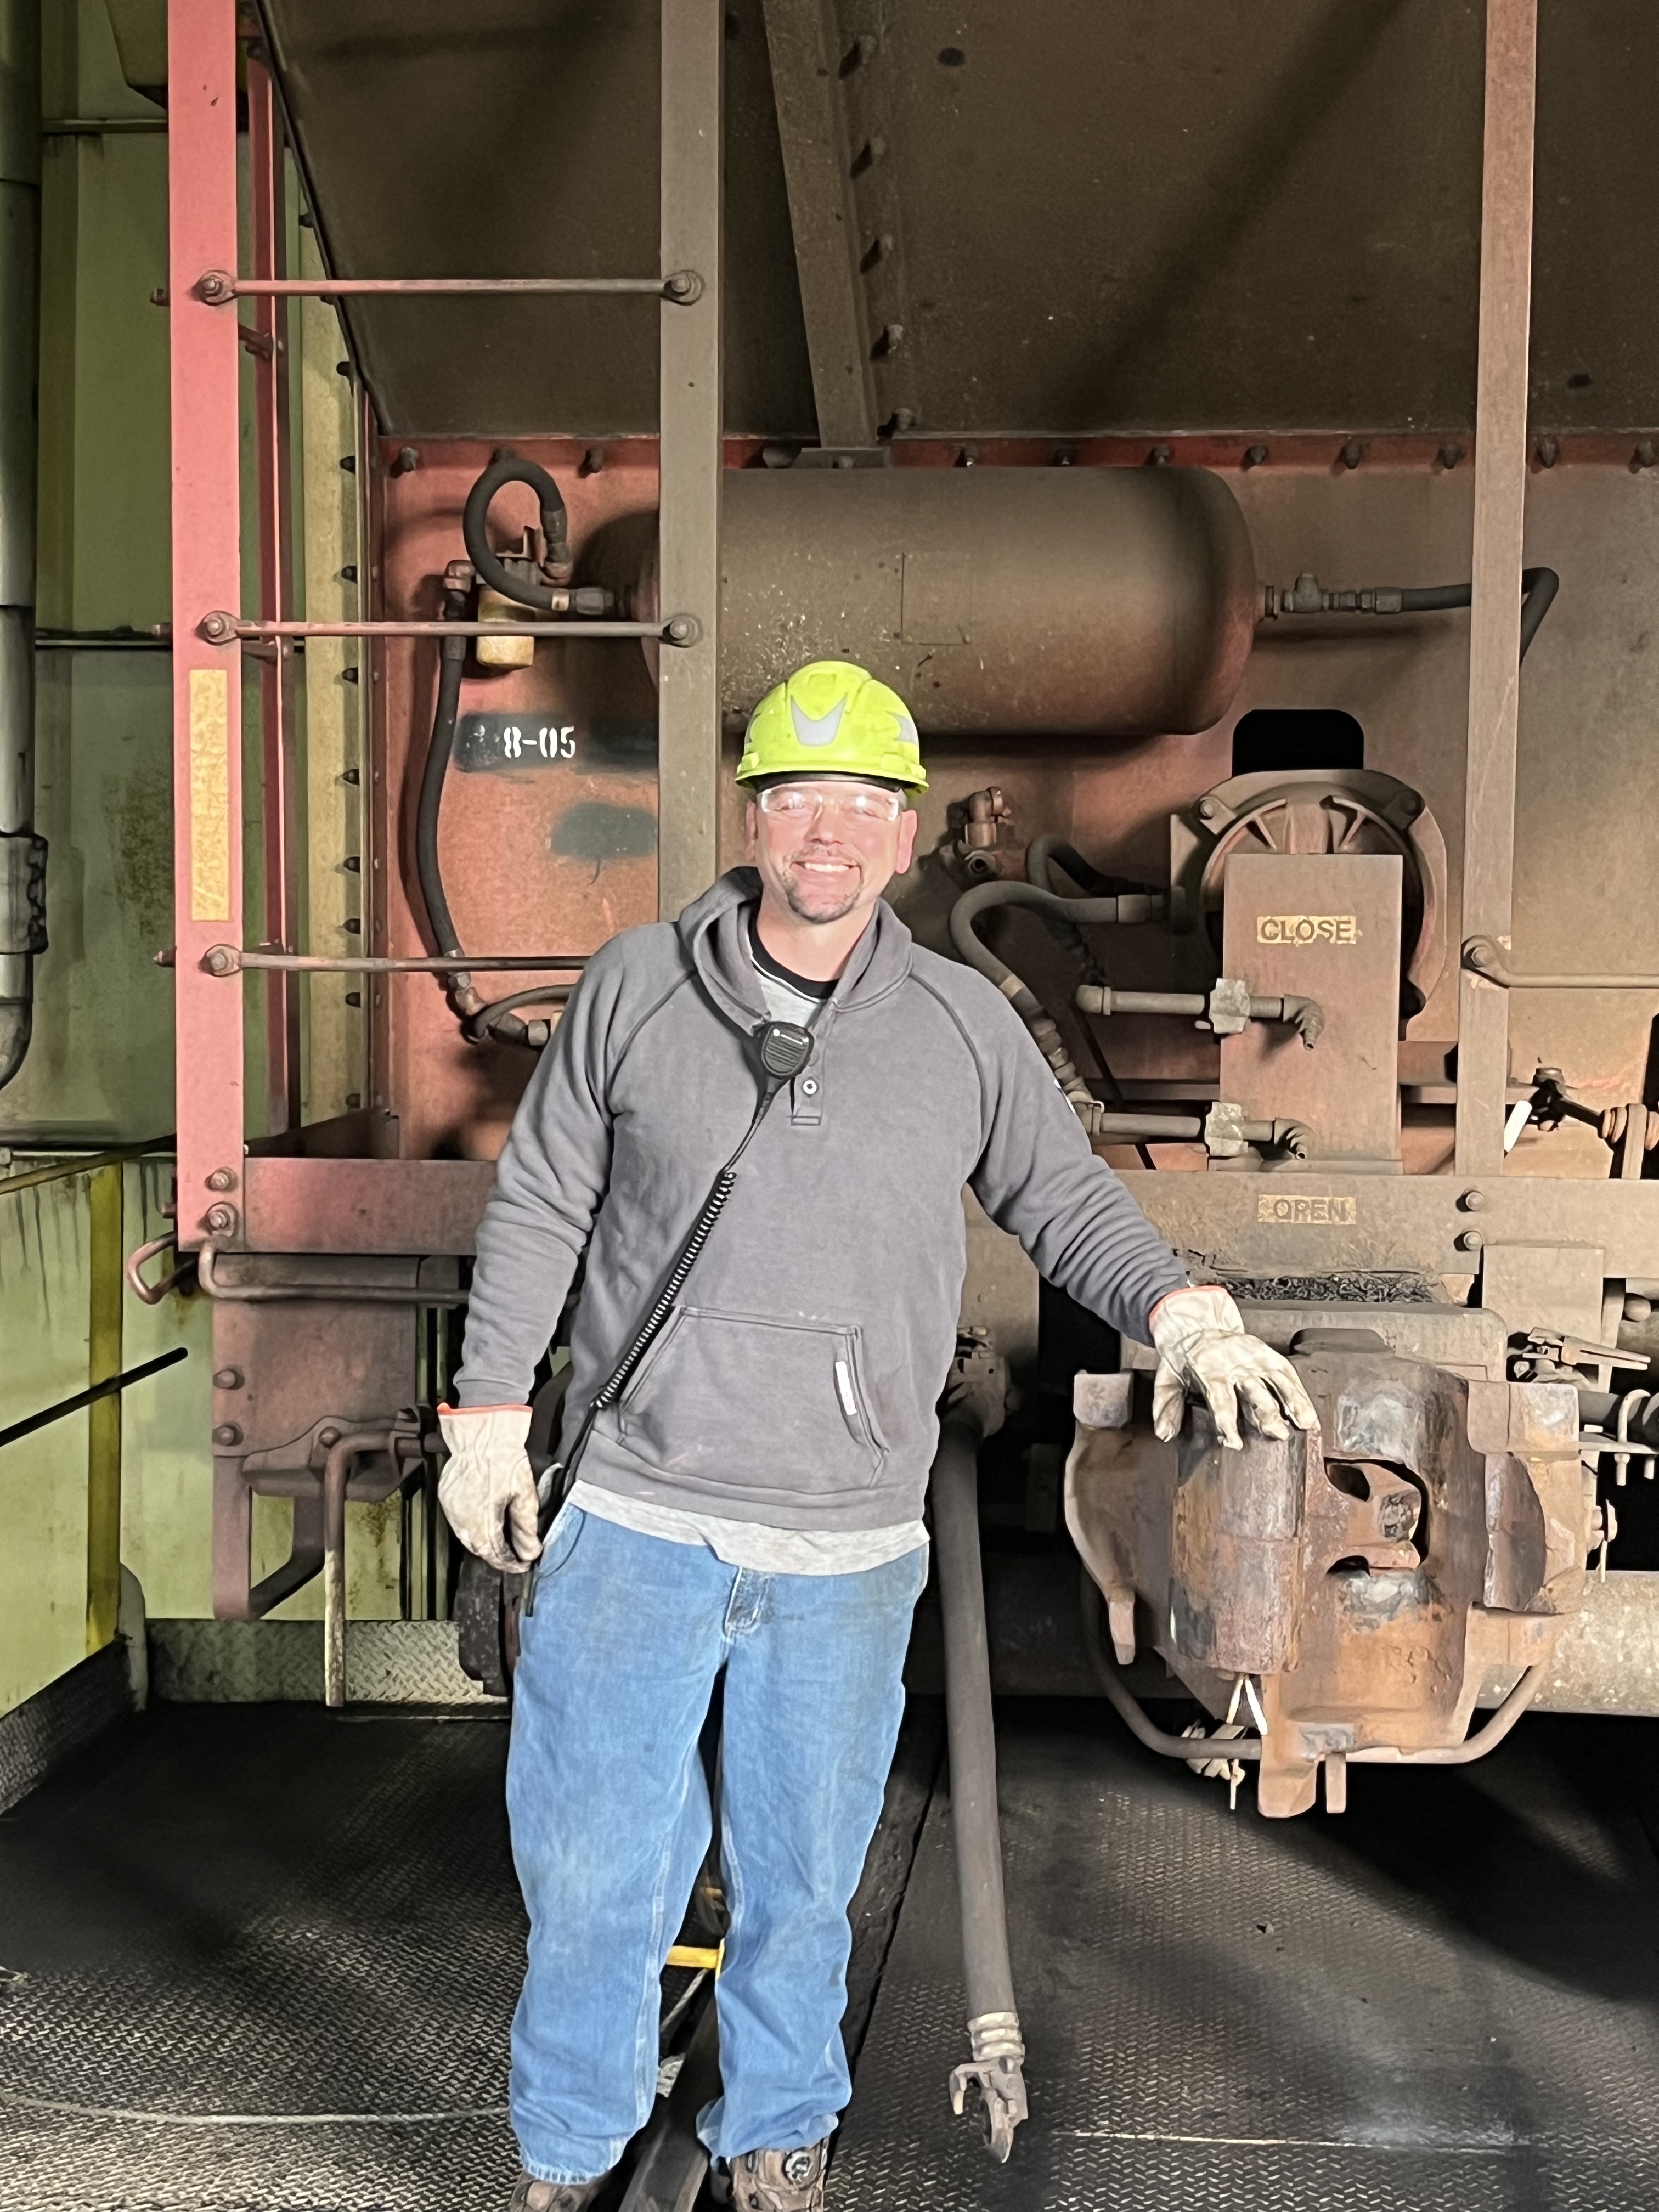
[(1103, 214)]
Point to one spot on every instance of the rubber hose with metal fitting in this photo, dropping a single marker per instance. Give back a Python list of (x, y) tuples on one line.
[(1063, 915)]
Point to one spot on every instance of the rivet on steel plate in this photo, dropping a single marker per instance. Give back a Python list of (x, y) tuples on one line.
[(1351, 455), (227, 1378), (1449, 455), (1548, 451), (1469, 1239), (1646, 455), (1160, 457), (226, 1434), (1255, 456), (1473, 1201)]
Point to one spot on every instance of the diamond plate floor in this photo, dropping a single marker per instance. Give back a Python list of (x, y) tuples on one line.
[(1447, 1999), (231, 1939)]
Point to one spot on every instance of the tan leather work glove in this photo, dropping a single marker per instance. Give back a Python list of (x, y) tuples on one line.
[(1202, 1345), (487, 1482)]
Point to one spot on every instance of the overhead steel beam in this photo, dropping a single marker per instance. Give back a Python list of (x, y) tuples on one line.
[(689, 541), (1500, 484), (801, 39), (207, 679)]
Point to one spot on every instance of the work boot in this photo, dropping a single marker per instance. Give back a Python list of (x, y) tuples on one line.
[(778, 2180), (529, 2194)]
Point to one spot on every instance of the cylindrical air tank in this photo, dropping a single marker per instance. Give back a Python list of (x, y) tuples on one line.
[(1088, 602)]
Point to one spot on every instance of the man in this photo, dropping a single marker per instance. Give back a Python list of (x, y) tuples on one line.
[(752, 1501)]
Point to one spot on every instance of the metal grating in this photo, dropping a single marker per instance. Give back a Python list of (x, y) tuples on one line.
[(45, 1729), (1449, 1996)]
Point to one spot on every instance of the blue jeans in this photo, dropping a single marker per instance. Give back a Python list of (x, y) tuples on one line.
[(611, 1817)]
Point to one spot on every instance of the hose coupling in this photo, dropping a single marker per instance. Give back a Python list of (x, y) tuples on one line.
[(996, 2071)]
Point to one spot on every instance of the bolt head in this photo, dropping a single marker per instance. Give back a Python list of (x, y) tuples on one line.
[(1470, 1240), (1206, 810), (1473, 1201), (221, 1179), (227, 1435), (218, 1220), (328, 1438), (227, 1378)]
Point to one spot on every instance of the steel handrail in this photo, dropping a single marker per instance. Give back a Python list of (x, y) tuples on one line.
[(85, 1164), (90, 1396)]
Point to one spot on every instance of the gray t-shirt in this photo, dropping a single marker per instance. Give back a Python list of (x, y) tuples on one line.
[(747, 1543)]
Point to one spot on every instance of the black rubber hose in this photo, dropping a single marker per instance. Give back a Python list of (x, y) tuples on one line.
[(1537, 589), (505, 468), (494, 1017), (988, 1973), (1061, 914), (452, 659)]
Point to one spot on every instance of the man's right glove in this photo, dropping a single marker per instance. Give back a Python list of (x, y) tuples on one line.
[(1202, 1343), (487, 1482)]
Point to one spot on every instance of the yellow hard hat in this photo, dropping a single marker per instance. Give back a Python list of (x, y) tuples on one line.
[(831, 718)]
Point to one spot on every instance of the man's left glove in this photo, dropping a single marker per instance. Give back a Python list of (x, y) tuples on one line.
[(1202, 1344), (487, 1482)]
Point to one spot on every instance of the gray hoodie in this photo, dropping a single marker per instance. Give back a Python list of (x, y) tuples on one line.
[(796, 1383)]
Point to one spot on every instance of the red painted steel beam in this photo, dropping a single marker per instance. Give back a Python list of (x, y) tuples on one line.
[(207, 679), (268, 226)]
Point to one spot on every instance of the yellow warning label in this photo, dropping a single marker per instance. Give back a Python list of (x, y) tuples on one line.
[(1305, 1213), (1307, 929), (209, 795)]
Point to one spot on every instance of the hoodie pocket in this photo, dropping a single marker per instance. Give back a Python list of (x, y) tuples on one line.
[(745, 1402)]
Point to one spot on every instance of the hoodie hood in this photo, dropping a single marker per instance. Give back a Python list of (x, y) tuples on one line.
[(714, 931)]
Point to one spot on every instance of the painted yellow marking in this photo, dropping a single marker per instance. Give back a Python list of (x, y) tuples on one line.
[(209, 795), (1307, 929)]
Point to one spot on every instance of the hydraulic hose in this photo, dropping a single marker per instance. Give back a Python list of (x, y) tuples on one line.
[(1062, 916), (497, 1018), (1307, 597), (994, 2040), (452, 659), (507, 467)]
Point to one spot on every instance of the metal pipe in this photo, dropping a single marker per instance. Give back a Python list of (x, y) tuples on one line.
[(106, 1388), (1482, 957), (336, 1474), (998, 2051), (218, 287), (1146, 1731), (221, 628), (22, 855), (88, 1161), (373, 1294), (232, 960)]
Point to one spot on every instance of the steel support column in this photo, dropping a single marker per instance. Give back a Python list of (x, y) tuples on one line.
[(1500, 484), (802, 40), (689, 705), (207, 679), (105, 1254), (269, 319)]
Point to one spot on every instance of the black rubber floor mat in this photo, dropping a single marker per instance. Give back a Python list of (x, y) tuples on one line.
[(1446, 2000), (259, 1956)]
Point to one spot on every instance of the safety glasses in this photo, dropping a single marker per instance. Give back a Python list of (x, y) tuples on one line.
[(862, 805)]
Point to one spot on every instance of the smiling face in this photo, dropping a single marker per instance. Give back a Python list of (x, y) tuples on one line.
[(829, 858)]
